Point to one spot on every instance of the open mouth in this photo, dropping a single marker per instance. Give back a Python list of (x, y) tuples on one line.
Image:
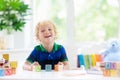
[(48, 36)]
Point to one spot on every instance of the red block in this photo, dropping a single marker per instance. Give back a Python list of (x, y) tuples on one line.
[(8, 71)]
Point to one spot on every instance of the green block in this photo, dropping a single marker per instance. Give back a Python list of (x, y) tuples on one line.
[(37, 68)]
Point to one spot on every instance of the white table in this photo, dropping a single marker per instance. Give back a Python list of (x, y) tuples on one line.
[(63, 75)]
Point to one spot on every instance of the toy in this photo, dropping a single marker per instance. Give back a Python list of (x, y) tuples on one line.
[(112, 53), (7, 67), (48, 67), (58, 67), (37, 68)]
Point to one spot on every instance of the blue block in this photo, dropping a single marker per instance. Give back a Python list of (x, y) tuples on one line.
[(48, 67), (81, 60), (107, 65), (2, 72)]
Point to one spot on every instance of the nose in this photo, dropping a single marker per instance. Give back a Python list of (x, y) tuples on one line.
[(47, 32)]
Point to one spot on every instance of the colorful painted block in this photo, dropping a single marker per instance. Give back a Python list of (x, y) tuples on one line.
[(113, 73), (117, 65), (87, 63), (107, 65), (58, 67), (81, 60), (13, 70), (93, 60), (48, 67), (113, 65), (13, 64), (98, 57), (8, 71), (78, 62), (106, 72), (37, 68), (6, 57), (2, 72), (118, 72)]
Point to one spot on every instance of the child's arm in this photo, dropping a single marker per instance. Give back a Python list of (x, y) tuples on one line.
[(28, 66)]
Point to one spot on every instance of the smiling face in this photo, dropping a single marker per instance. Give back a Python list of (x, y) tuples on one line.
[(46, 32)]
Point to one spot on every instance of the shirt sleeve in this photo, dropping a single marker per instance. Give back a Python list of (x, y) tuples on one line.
[(32, 57), (63, 55)]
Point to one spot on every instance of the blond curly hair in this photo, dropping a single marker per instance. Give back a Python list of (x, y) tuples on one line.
[(44, 23)]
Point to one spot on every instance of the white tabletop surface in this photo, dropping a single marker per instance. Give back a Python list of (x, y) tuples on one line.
[(53, 75)]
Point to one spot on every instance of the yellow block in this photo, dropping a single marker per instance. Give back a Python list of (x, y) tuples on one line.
[(13, 64), (6, 57), (93, 59), (118, 72), (113, 73)]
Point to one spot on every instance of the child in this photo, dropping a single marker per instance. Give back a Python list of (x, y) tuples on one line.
[(48, 52)]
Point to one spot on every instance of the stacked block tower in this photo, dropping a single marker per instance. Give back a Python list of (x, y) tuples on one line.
[(7, 67)]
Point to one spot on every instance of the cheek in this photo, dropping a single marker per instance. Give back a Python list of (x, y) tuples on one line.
[(39, 37)]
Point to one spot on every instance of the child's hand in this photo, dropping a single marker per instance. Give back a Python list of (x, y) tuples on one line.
[(35, 64), (60, 63), (27, 66)]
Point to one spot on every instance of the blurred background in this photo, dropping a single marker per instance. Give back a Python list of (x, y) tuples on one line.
[(80, 23)]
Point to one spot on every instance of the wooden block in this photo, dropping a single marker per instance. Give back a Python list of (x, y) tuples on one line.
[(87, 62), (13, 70), (6, 57), (118, 72), (106, 72), (113, 73), (81, 60), (13, 64), (107, 65), (98, 57), (2, 72), (58, 67), (48, 67), (93, 59), (37, 68), (117, 65), (8, 71), (113, 65)]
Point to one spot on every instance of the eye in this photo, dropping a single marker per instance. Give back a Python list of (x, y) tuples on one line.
[(42, 30), (50, 29)]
